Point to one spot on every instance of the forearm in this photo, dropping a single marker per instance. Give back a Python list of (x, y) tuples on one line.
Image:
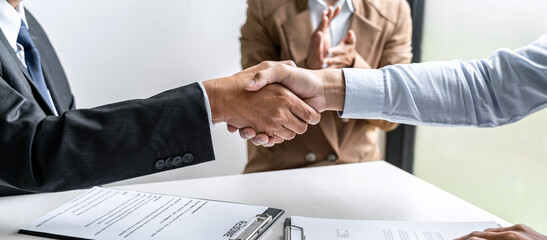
[(88, 147), (485, 93)]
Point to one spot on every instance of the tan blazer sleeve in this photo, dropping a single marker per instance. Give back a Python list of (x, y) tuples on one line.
[(256, 44), (398, 49)]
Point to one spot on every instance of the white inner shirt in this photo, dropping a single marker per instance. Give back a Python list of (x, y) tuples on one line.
[(339, 26), (10, 23)]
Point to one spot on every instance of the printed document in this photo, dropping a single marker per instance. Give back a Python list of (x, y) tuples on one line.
[(102, 213), (334, 229)]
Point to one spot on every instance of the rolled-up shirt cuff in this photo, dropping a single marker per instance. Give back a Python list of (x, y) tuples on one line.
[(207, 105), (364, 94)]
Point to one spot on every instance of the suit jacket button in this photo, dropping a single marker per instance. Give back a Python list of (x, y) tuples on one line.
[(310, 157), (177, 161), (169, 162), (160, 164), (188, 158), (332, 157)]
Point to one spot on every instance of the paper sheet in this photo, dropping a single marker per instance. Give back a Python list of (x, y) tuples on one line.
[(117, 214), (334, 229)]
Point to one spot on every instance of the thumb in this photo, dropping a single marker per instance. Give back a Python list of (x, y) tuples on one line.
[(350, 37), (276, 74)]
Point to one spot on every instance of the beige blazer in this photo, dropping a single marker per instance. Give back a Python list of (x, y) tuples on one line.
[(281, 30)]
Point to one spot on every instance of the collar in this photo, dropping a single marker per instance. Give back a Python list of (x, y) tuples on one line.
[(346, 5), (10, 21)]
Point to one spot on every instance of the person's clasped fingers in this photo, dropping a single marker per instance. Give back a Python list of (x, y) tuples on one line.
[(260, 139), (247, 133), (306, 113), (231, 128)]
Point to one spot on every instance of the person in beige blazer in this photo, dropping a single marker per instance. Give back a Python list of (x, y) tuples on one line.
[(379, 34)]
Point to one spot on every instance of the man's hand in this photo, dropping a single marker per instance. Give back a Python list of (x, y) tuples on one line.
[(320, 41), (321, 89), (343, 55), (516, 232), (275, 110)]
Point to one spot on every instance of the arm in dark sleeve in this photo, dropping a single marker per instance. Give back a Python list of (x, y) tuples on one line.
[(88, 147)]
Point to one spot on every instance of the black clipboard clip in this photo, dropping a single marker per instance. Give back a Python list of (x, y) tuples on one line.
[(289, 228), (254, 227)]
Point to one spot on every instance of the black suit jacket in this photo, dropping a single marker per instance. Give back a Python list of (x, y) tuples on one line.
[(40, 152)]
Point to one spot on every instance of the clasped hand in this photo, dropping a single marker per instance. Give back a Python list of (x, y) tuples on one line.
[(274, 111), (320, 89)]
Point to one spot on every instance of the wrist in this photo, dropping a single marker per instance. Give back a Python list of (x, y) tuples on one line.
[(334, 89), (212, 87)]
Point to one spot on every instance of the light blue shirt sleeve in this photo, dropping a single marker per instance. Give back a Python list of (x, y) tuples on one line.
[(485, 93), (207, 105)]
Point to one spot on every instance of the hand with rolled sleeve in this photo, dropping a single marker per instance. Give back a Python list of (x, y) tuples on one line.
[(489, 92)]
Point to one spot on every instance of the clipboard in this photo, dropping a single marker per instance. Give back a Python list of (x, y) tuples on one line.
[(301, 228), (102, 213), (288, 228)]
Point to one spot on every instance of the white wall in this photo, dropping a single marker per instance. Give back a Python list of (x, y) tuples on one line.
[(126, 49), (501, 169)]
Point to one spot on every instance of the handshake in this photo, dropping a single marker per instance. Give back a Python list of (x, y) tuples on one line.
[(273, 101)]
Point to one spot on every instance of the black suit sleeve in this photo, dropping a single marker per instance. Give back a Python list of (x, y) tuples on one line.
[(90, 147)]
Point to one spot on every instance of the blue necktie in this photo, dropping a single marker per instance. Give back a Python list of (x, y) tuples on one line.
[(32, 58)]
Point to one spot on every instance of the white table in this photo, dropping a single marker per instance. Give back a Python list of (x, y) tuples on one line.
[(374, 190)]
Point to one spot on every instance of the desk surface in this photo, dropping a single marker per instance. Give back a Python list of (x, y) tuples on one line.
[(374, 190)]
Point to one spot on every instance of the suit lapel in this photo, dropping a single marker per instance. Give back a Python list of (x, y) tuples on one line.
[(298, 30), (47, 72), (34, 90), (368, 33)]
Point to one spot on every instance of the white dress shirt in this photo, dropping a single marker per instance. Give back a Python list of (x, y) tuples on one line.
[(10, 23), (339, 26), (490, 92), (207, 105)]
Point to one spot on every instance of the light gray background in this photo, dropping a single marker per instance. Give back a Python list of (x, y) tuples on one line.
[(126, 49)]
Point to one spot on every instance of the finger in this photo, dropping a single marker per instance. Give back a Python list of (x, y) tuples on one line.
[(305, 113), (336, 12), (247, 133), (231, 128), (271, 75), (270, 142), (482, 235), (285, 133), (321, 49), (350, 37), (324, 22), (296, 125), (278, 140), (335, 60), (260, 139), (339, 50), (330, 11), (504, 229), (330, 14)]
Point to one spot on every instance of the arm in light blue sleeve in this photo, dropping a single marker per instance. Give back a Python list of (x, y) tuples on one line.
[(490, 92)]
